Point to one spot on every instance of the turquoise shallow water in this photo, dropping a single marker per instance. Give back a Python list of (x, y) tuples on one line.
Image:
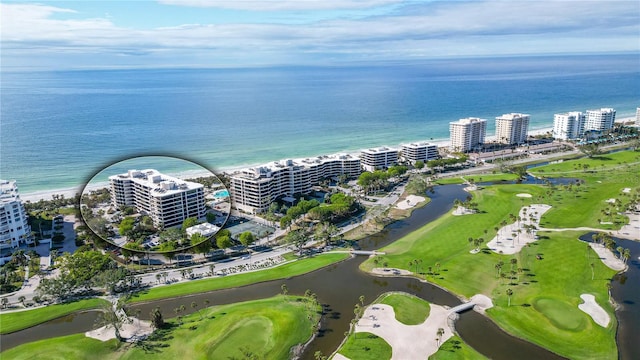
[(59, 128)]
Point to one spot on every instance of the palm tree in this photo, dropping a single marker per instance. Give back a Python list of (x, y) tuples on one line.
[(439, 333), (284, 289), (499, 268), (4, 302), (626, 254), (158, 276), (194, 305), (22, 299), (592, 270), (212, 269), (609, 287), (509, 293), (513, 263)]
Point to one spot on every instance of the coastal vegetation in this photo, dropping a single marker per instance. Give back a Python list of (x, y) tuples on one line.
[(276, 327)]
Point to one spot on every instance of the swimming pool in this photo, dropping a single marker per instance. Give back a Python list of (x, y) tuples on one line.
[(221, 194)]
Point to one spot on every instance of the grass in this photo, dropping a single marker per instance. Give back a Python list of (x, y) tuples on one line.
[(456, 349), (366, 346), (281, 272), (77, 347), (546, 295), (478, 178), (267, 328), (408, 309), (14, 321)]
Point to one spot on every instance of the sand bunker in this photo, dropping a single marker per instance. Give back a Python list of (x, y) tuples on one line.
[(132, 331), (524, 195), (407, 341), (461, 210), (607, 257), (482, 302), (591, 307), (611, 201), (513, 237), (409, 202), (626, 190)]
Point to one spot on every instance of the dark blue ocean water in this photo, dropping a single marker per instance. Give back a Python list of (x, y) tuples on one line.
[(59, 128)]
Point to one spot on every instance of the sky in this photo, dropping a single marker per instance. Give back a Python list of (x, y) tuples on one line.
[(244, 33)]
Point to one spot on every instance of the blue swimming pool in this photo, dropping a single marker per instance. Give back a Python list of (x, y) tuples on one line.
[(221, 194)]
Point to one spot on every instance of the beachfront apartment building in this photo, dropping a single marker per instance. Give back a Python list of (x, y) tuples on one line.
[(14, 226), (600, 120), (421, 151), (467, 134), (166, 199), (637, 122), (254, 189), (568, 126), (378, 158), (512, 129)]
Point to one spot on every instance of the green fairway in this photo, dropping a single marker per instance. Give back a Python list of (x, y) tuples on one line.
[(295, 268), (603, 178), (478, 178), (365, 346), (408, 309), (267, 328), (456, 349), (546, 278), (14, 321)]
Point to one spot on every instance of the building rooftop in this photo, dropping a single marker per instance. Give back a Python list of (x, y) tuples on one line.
[(8, 191), (160, 184), (381, 149), (418, 145), (274, 166), (468, 120)]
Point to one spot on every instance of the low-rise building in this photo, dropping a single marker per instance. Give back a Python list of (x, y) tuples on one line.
[(166, 199), (421, 151), (378, 158), (254, 189), (204, 229)]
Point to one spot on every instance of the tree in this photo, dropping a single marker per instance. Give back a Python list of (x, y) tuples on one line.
[(419, 164), (285, 289), (189, 222), (296, 238), (247, 238), (590, 150), (110, 317), (509, 293), (5, 302), (126, 226), (440, 333), (156, 318), (194, 305), (224, 242), (22, 299)]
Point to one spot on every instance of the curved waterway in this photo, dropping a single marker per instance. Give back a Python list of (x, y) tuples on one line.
[(338, 287)]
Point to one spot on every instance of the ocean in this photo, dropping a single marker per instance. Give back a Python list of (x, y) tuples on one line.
[(59, 128)]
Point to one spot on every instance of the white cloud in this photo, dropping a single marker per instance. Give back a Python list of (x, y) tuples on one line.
[(278, 5), (437, 29)]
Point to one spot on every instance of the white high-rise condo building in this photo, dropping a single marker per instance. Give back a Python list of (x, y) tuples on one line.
[(600, 119), (166, 199), (467, 134), (421, 151), (254, 189), (512, 128), (14, 228), (568, 125), (378, 158), (637, 116)]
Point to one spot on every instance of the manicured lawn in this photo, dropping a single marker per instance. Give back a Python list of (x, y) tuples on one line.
[(603, 178), (268, 328), (409, 309), (456, 349), (552, 321), (197, 286), (76, 347), (14, 321), (366, 346)]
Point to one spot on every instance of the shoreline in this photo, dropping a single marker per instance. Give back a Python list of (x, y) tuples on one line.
[(70, 192)]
